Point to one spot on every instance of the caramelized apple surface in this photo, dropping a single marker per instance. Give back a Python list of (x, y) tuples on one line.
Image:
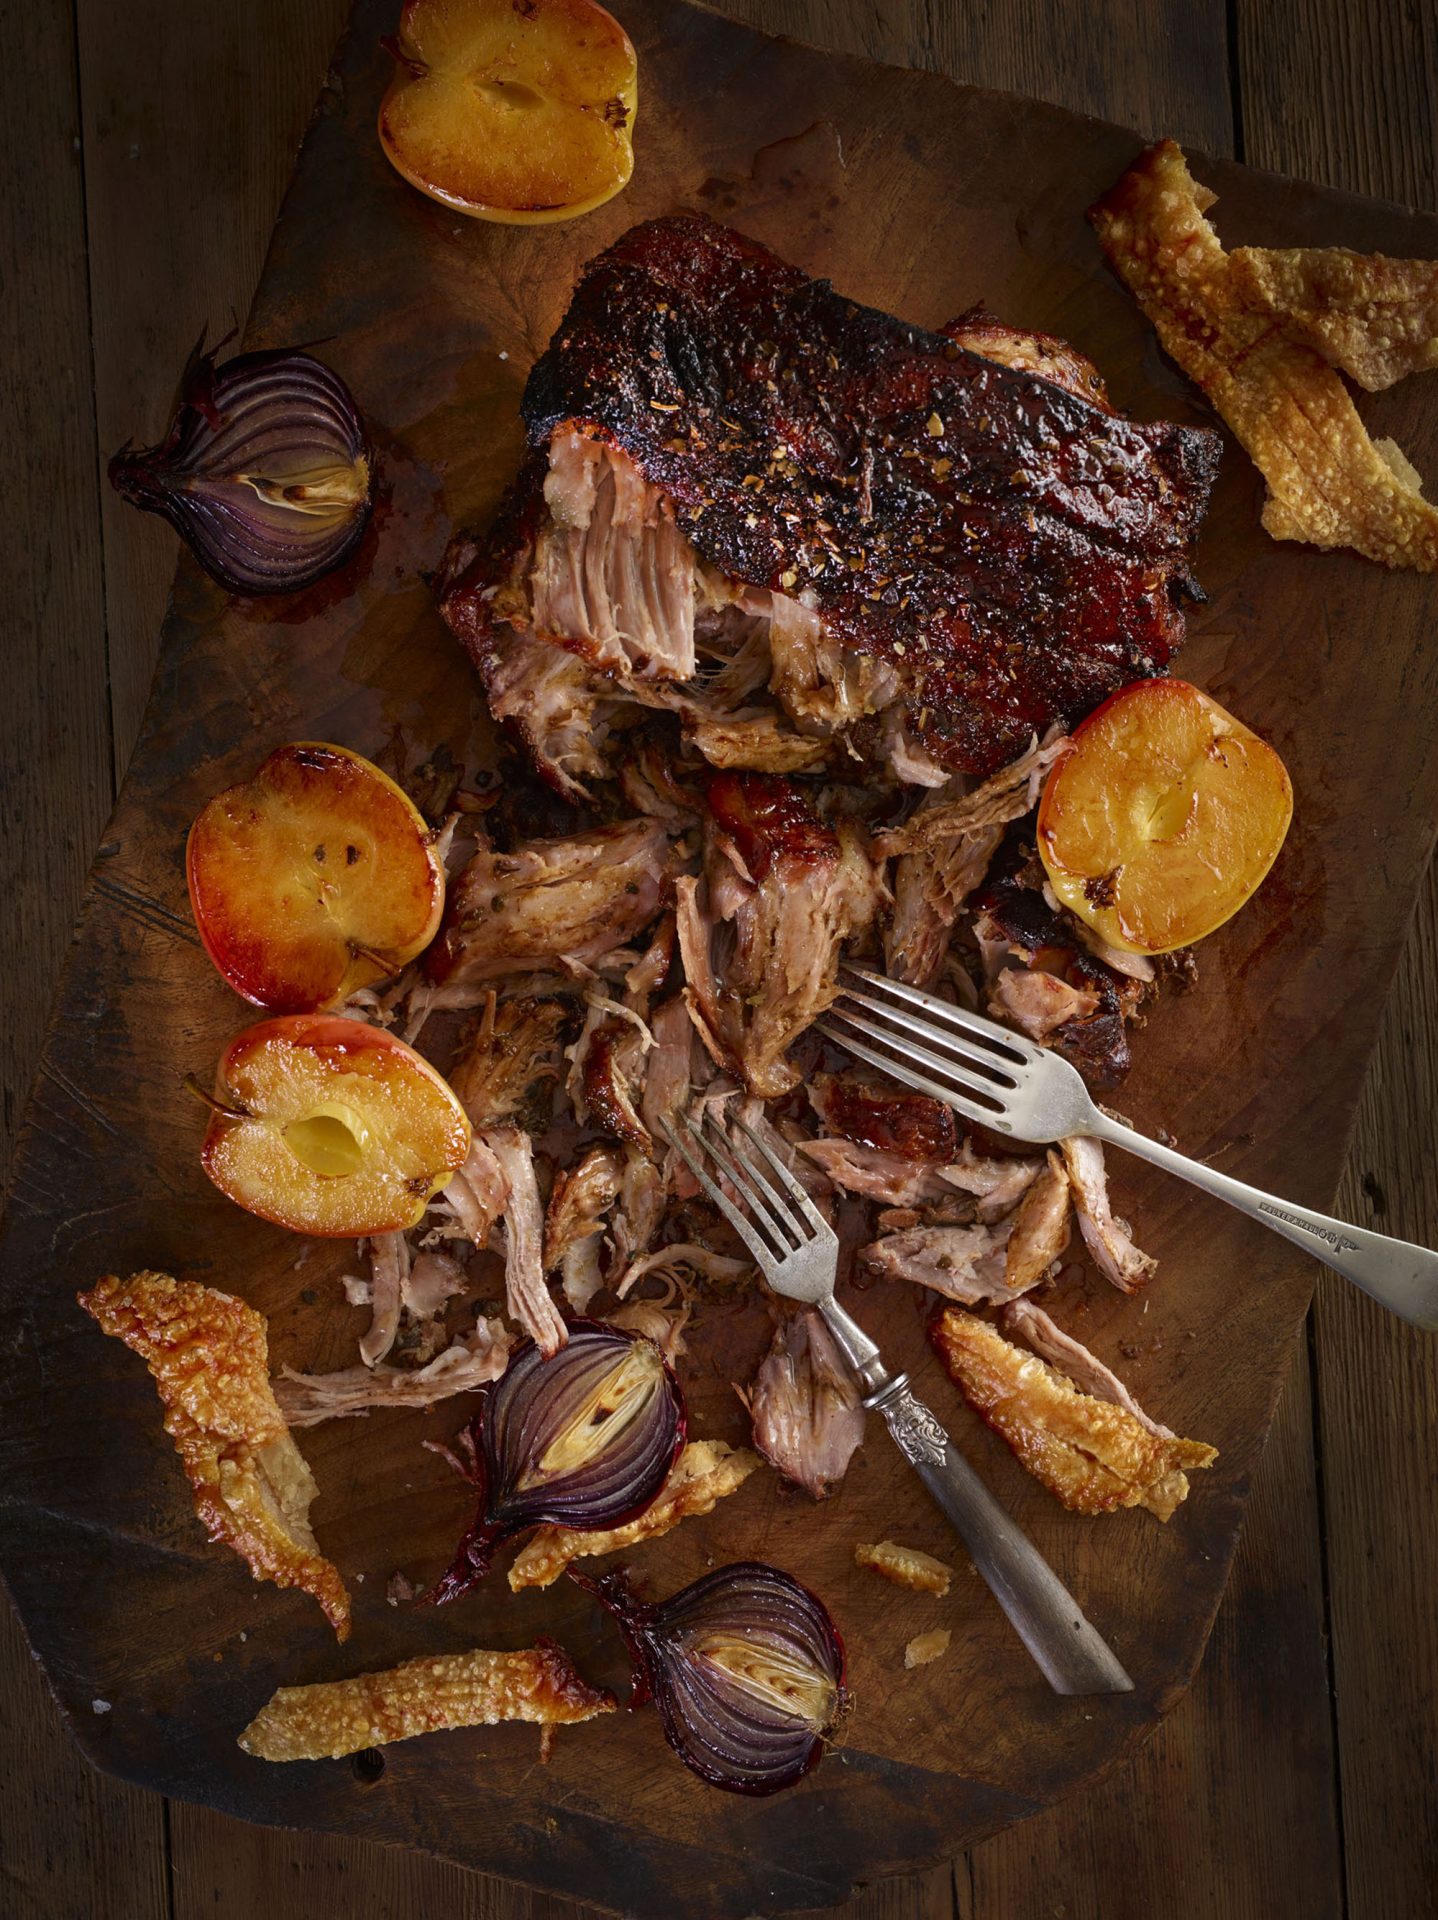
[(513, 110), (313, 879), (328, 1126), (1162, 817)]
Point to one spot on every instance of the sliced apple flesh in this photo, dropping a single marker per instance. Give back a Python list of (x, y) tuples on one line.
[(1162, 818), (512, 110), (313, 879), (328, 1126)]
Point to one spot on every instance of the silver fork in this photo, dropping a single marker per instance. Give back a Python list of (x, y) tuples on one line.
[(798, 1254), (993, 1075)]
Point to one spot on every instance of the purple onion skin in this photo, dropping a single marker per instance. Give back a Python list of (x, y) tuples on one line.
[(268, 413), (654, 1634), (589, 1501)]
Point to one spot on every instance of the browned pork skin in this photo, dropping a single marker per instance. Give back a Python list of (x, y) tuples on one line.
[(560, 904), (805, 1405), (782, 893)]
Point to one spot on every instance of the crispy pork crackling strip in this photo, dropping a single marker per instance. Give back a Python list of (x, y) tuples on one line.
[(1094, 1455), (1374, 317), (428, 1695), (209, 1354), (1328, 483), (704, 1472)]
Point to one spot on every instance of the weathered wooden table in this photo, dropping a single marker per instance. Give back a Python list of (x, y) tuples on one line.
[(145, 151)]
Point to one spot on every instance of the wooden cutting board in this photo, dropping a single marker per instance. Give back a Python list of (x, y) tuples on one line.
[(917, 196)]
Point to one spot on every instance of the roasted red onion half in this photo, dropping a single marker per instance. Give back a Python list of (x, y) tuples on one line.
[(264, 473), (745, 1666), (585, 1439)]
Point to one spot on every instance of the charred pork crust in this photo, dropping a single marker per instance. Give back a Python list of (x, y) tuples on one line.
[(1011, 549)]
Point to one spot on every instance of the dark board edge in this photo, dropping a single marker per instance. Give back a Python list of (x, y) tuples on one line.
[(1218, 173)]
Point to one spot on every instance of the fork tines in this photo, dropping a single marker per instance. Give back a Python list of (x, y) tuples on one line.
[(776, 1227), (970, 1063)]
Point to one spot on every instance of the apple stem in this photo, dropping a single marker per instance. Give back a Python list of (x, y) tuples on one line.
[(192, 1085)]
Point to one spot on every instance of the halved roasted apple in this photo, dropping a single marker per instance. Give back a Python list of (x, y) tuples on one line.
[(328, 1126), (1162, 817), (511, 110), (313, 879)]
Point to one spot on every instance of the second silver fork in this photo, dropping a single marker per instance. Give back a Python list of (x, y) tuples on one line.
[(797, 1251)]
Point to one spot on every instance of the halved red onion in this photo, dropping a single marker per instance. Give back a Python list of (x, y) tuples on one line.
[(264, 473), (585, 1439), (745, 1666)]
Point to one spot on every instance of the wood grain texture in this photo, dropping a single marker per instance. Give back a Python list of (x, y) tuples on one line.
[(190, 131), (1361, 114), (71, 1841), (1143, 1821)]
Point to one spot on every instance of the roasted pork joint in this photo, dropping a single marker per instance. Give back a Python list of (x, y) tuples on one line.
[(945, 542), (1093, 1454), (209, 1354)]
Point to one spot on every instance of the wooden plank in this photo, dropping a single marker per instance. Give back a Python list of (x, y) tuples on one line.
[(192, 119), (1348, 95), (73, 1841)]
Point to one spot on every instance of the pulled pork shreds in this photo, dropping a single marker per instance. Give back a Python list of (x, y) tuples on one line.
[(905, 1566), (434, 1279), (637, 1216), (389, 1270), (438, 1691), (561, 903), (962, 1263), (1107, 1238), (997, 1182), (1039, 1230), (1094, 1456), (873, 1174), (657, 1321), (479, 1192), (574, 1222), (1004, 797), (927, 1647), (782, 893), (609, 1069), (703, 1474), (805, 1405), (466, 1364), (1328, 482), (1039, 1003), (1374, 317), (527, 1297), (513, 1049), (209, 1355), (944, 850), (679, 1257)]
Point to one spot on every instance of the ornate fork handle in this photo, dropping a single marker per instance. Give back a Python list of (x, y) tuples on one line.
[(1072, 1654)]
